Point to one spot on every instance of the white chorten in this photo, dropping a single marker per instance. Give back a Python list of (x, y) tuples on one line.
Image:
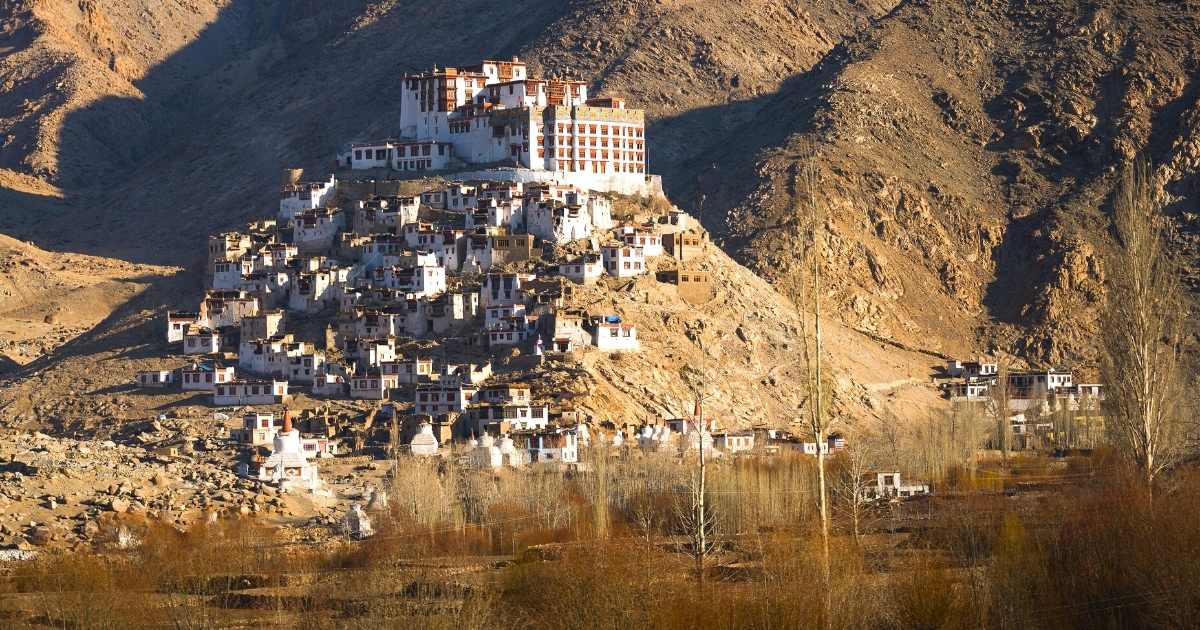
[(287, 464), (424, 443), (487, 454)]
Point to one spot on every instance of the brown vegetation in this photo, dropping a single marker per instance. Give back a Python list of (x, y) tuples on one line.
[(473, 549)]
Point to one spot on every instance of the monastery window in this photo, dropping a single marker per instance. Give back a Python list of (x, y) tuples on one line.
[(358, 154)]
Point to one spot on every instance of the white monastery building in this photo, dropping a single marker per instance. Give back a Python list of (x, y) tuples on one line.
[(494, 114)]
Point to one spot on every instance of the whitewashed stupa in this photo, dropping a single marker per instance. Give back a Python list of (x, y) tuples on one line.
[(287, 464)]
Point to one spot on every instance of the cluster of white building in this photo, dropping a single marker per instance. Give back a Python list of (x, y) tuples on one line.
[(477, 261), (1033, 396)]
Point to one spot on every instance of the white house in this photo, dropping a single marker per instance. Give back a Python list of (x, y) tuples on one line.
[(560, 445), (494, 316), (155, 378), (609, 334), (624, 261), (586, 269), (650, 241), (408, 371), (888, 484), (178, 323), (315, 230), (437, 398), (246, 392), (304, 196), (205, 376), (201, 340), (734, 442), (368, 386), (556, 223)]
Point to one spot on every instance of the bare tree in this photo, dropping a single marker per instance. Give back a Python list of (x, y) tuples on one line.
[(1000, 399), (698, 521), (1142, 333), (851, 484), (811, 218)]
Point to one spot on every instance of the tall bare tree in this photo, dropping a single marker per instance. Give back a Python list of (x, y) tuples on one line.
[(699, 521), (851, 484), (1142, 333), (811, 218), (1000, 398)]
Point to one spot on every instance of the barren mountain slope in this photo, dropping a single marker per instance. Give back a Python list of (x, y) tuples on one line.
[(48, 299), (969, 151)]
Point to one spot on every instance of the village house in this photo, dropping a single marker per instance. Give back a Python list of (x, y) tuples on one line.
[(469, 373), (507, 393), (329, 381), (557, 445), (202, 340), (419, 281), (693, 286), (370, 385), (494, 316), (315, 231), (228, 246), (586, 269), (477, 419), (734, 442), (648, 240), (609, 334), (556, 223), (155, 378), (434, 399), (264, 325), (371, 352), (685, 245), (250, 392), (501, 289), (566, 331), (226, 308), (452, 310), (205, 375), (511, 330), (885, 485), (227, 275), (178, 323), (299, 197), (385, 214), (624, 261), (258, 429), (408, 371)]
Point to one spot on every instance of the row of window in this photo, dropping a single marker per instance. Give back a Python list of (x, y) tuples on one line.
[(618, 131), (564, 154), (414, 150)]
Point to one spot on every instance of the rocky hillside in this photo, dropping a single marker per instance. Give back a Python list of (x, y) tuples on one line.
[(968, 152)]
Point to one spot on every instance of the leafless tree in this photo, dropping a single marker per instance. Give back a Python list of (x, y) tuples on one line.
[(999, 403), (698, 520), (851, 482), (1142, 333), (811, 220)]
